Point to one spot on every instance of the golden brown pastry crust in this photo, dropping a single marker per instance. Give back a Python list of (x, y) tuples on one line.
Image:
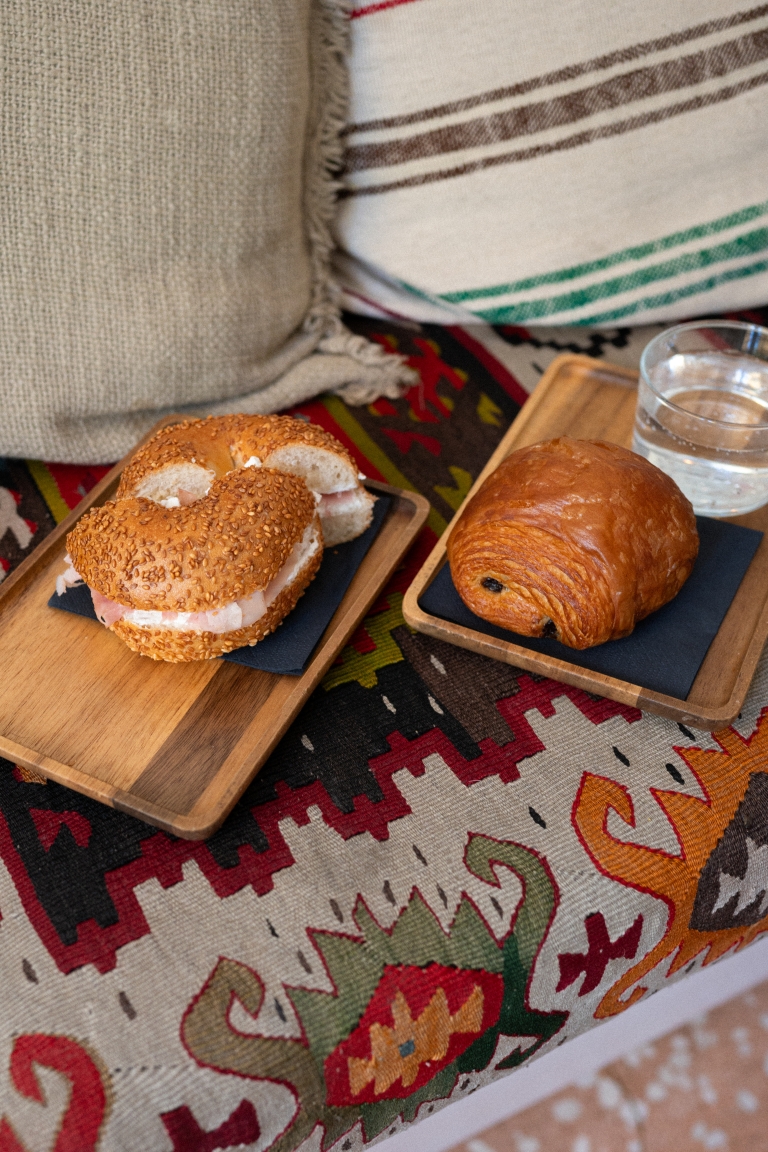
[(574, 538), (219, 549)]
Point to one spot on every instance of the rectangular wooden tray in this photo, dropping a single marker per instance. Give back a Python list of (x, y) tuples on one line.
[(592, 400), (174, 744)]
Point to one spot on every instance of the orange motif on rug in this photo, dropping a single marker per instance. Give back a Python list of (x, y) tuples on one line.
[(716, 889), (398, 1053)]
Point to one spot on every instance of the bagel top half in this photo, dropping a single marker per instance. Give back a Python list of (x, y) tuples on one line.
[(221, 548), (179, 464)]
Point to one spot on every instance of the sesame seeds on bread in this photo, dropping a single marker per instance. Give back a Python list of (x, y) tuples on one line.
[(217, 527), (219, 549), (178, 647)]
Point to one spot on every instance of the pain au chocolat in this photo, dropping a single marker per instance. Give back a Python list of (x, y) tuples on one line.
[(575, 539)]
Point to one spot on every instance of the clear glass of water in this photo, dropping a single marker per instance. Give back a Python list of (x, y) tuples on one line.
[(702, 413)]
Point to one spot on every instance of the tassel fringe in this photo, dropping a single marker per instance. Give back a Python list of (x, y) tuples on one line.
[(381, 373)]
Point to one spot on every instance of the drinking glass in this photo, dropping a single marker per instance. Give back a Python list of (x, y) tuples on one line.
[(702, 413)]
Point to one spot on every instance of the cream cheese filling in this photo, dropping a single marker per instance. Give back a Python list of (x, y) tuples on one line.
[(238, 614)]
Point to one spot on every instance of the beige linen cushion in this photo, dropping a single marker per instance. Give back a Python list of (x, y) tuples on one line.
[(165, 201), (557, 162)]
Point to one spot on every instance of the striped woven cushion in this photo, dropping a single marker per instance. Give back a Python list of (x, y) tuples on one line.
[(554, 162)]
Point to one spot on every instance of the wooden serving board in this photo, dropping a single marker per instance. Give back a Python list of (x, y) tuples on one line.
[(591, 400), (174, 744)]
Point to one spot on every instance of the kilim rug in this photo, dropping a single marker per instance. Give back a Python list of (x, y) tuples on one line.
[(446, 867)]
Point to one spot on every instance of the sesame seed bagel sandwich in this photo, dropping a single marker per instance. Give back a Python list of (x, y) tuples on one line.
[(192, 582)]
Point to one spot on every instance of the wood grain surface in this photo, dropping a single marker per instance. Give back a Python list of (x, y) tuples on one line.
[(592, 400), (174, 744)]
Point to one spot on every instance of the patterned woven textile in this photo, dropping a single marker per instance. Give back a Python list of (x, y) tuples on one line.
[(517, 164), (446, 867)]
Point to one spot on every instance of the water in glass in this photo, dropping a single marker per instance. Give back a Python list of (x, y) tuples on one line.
[(722, 470)]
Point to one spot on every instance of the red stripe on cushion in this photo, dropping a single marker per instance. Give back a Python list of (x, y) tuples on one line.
[(370, 8), (400, 319)]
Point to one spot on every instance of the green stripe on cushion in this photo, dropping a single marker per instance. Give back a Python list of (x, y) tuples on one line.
[(665, 298), (741, 246), (638, 252)]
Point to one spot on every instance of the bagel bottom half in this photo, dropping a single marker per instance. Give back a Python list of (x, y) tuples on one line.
[(177, 646)]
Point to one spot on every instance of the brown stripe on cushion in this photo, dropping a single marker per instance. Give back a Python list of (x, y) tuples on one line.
[(571, 72), (574, 141), (640, 84)]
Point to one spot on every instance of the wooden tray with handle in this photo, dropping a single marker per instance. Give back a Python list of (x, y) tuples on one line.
[(174, 744), (591, 400)]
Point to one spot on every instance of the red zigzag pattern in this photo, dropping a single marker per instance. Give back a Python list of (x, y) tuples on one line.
[(162, 858)]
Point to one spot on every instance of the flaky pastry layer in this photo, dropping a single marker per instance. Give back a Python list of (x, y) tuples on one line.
[(575, 539)]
